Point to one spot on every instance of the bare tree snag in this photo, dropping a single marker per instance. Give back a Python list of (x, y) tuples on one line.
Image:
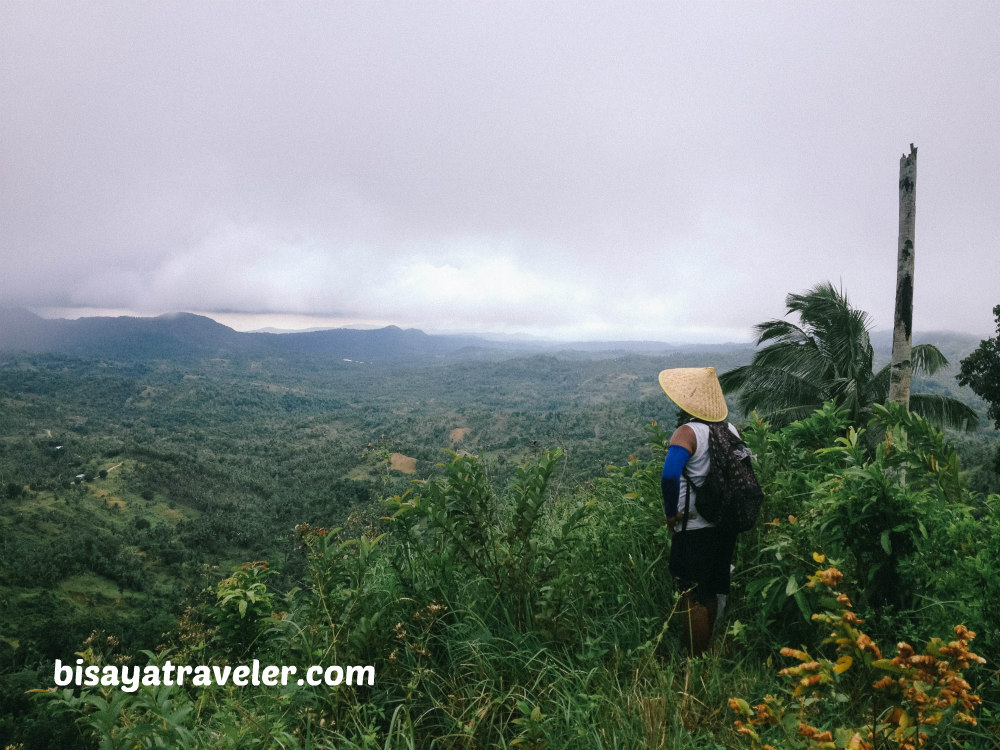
[(902, 330)]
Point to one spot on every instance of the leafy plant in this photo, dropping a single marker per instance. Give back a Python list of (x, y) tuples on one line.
[(828, 356), (981, 371), (910, 699), (243, 607)]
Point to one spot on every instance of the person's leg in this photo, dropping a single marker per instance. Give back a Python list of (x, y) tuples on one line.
[(690, 562), (714, 588), (697, 625), (712, 606), (720, 612)]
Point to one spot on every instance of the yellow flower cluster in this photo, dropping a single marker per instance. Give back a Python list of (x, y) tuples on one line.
[(923, 685)]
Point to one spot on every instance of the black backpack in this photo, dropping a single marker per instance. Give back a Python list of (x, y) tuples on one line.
[(730, 497)]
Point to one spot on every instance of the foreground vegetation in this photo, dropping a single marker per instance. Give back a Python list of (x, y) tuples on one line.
[(216, 511), (536, 615), (127, 486)]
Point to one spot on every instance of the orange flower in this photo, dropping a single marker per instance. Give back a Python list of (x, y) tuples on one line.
[(795, 654), (830, 577), (864, 643), (963, 632), (764, 715)]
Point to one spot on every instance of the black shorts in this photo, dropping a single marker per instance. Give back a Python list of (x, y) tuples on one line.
[(700, 559)]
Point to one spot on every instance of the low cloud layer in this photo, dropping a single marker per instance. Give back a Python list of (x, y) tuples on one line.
[(596, 170)]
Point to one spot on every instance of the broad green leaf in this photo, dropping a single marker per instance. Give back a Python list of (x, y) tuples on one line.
[(800, 599), (792, 586)]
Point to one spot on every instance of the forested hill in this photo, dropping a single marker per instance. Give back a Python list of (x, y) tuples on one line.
[(184, 335)]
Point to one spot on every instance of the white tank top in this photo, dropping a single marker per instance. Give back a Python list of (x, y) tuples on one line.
[(697, 469)]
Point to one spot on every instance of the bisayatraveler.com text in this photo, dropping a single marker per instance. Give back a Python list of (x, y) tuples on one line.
[(131, 678)]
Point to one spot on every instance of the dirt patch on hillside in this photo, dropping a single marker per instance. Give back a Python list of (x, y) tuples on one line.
[(458, 434), (405, 464)]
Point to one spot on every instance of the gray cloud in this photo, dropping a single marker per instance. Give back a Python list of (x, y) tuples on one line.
[(592, 169)]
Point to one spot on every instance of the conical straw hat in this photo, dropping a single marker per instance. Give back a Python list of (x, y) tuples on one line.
[(697, 391)]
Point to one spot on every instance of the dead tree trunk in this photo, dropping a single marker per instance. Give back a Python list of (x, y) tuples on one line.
[(902, 330)]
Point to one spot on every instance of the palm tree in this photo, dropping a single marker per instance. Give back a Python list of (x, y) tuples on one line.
[(829, 357)]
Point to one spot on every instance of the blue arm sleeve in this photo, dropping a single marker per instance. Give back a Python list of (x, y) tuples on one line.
[(670, 481)]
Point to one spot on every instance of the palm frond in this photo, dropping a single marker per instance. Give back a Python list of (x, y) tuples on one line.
[(733, 380), (878, 386), (780, 330), (944, 411), (927, 358), (777, 393), (802, 360), (826, 309), (829, 356)]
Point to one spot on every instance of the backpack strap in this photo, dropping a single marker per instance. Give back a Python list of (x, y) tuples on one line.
[(687, 499), (687, 487)]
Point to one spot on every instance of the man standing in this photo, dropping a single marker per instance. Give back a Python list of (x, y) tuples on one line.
[(701, 553)]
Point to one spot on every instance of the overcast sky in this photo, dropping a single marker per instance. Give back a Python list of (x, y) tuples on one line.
[(666, 171)]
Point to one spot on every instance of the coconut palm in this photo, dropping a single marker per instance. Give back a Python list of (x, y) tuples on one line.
[(828, 356)]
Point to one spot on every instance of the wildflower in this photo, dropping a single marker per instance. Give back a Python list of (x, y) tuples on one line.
[(795, 654), (764, 715), (830, 577), (865, 643), (814, 734), (964, 633)]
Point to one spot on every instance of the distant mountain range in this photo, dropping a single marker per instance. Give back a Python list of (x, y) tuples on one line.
[(184, 335)]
